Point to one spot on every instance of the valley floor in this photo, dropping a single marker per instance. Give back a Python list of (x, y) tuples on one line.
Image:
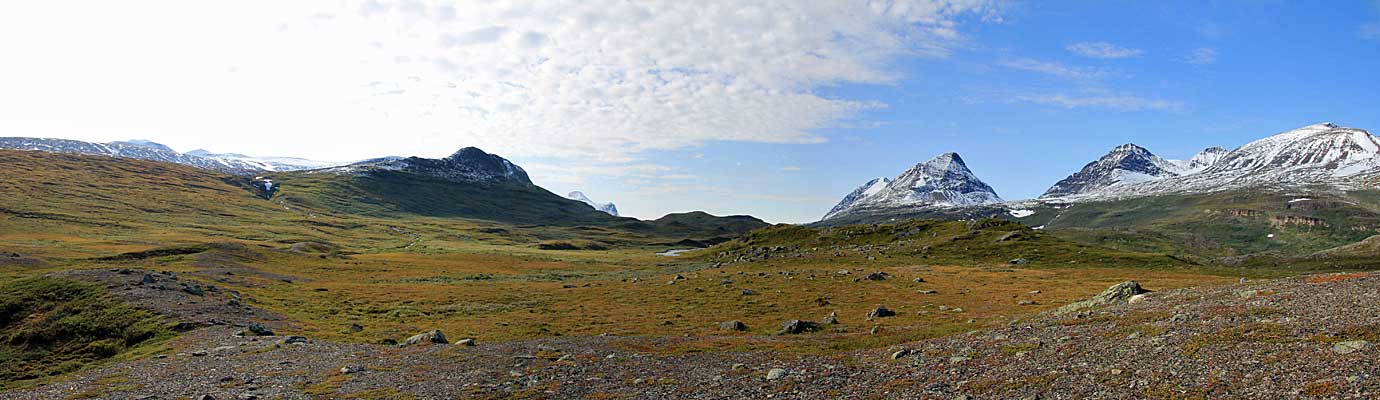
[(1287, 338)]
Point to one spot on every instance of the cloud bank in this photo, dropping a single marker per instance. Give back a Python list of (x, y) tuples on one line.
[(591, 80)]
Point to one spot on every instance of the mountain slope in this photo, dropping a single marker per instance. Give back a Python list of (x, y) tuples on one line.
[(98, 205), (867, 189), (942, 182), (607, 208)]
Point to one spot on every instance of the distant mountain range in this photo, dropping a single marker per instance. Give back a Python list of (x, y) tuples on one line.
[(1315, 156), (605, 207), (237, 164)]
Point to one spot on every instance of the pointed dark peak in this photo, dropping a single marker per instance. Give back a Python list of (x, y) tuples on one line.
[(469, 153), (947, 161), (469, 164)]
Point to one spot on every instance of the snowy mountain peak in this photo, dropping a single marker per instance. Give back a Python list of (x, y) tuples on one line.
[(945, 162), (579, 196), (1125, 164), (943, 181), (1200, 161)]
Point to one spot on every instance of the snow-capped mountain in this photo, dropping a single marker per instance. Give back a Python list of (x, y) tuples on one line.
[(1129, 164), (1322, 154), (1200, 161), (469, 165), (944, 181), (867, 189), (579, 196), (138, 149), (277, 164)]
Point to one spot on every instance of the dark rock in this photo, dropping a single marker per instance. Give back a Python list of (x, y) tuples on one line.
[(734, 325), (880, 312), (796, 326), (260, 330)]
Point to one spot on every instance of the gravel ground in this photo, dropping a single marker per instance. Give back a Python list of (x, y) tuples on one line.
[(1306, 337)]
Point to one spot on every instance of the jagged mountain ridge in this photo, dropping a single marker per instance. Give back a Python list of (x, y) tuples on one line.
[(579, 196), (137, 149), (1129, 164), (1321, 154), (944, 181)]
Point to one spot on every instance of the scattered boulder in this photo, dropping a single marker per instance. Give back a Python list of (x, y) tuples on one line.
[(876, 276), (1352, 346), (433, 337), (880, 312), (295, 339), (919, 280), (350, 369), (258, 329), (748, 292), (465, 342), (900, 354), (831, 319), (796, 326), (1118, 293), (776, 373), (734, 325), (1018, 261)]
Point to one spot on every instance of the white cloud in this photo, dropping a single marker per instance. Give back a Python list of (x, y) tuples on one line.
[(593, 81), (1103, 50), (1121, 102), (1369, 31), (791, 168), (1060, 70), (1202, 56)]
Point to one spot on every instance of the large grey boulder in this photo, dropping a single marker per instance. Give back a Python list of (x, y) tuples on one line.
[(433, 337), (1120, 293)]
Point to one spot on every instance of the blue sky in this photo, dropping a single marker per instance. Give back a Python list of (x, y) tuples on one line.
[(1273, 66), (775, 108)]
